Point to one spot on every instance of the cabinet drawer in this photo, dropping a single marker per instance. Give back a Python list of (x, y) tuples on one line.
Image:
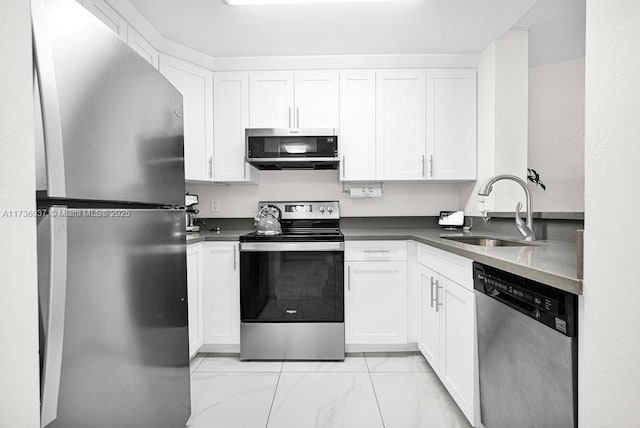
[(375, 250), (456, 268)]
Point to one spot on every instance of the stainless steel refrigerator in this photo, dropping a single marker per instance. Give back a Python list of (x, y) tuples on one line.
[(111, 229)]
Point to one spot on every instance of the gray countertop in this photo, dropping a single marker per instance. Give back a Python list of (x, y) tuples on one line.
[(223, 235), (550, 262)]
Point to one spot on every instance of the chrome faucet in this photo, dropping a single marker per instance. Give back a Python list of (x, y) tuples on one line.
[(525, 229)]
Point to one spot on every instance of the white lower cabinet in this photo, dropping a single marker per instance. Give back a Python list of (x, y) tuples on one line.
[(376, 293), (221, 299), (194, 296), (448, 336)]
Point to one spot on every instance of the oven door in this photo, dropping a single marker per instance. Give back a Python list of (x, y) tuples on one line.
[(292, 282)]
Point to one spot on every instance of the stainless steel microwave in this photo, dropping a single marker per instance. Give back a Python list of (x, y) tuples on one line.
[(292, 148)]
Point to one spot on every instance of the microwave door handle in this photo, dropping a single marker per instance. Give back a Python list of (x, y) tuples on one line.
[(48, 93)]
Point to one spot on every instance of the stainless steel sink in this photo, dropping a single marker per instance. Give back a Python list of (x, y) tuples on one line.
[(487, 242)]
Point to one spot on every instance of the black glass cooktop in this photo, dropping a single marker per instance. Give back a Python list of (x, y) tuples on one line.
[(296, 235)]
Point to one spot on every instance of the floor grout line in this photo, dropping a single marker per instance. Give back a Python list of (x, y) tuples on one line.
[(375, 395), (275, 391)]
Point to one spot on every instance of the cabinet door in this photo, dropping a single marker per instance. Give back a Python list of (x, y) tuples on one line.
[(271, 100), (196, 85), (376, 303), (230, 118), (429, 343), (400, 124), (451, 124), (316, 99), (221, 293), (108, 16), (194, 293), (357, 139), (142, 47), (457, 343)]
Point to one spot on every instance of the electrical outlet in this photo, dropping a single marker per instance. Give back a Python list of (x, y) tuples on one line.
[(215, 205)]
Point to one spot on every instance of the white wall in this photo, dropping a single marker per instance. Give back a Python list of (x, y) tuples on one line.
[(19, 383), (609, 365), (556, 134), (410, 199), (502, 123)]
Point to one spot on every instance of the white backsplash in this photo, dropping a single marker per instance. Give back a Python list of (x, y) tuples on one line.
[(399, 199)]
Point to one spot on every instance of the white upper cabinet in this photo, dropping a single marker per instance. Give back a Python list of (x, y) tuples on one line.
[(282, 99), (271, 100), (400, 120), (142, 47), (451, 124), (196, 85), (316, 99), (230, 118), (108, 15), (357, 139)]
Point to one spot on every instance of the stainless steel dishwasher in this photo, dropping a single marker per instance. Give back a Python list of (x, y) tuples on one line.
[(527, 351)]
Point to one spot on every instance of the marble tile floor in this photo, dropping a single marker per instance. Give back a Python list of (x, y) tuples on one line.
[(386, 390)]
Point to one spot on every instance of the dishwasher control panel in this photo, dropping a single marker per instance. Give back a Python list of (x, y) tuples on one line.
[(555, 308)]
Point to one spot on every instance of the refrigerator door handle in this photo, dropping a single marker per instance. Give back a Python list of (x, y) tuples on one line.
[(48, 93), (54, 329)]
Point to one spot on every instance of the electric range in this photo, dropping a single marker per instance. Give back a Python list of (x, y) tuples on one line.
[(292, 285)]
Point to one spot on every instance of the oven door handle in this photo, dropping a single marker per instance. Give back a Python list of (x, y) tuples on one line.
[(290, 246)]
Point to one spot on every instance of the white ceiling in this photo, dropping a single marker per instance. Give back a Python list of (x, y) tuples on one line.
[(408, 27), (556, 31)]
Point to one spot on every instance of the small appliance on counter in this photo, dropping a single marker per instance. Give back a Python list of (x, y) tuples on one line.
[(451, 220), (189, 202)]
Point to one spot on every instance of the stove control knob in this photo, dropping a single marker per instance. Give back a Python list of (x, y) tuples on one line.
[(322, 208), (330, 208)]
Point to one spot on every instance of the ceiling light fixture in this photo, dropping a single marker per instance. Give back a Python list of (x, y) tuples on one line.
[(271, 2)]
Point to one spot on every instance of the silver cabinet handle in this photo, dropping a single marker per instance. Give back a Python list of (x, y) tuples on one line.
[(245, 169), (210, 166), (376, 251), (431, 166), (289, 117), (438, 302), (343, 166), (235, 259), (53, 312), (349, 277), (432, 298), (48, 100), (297, 117), (423, 173)]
